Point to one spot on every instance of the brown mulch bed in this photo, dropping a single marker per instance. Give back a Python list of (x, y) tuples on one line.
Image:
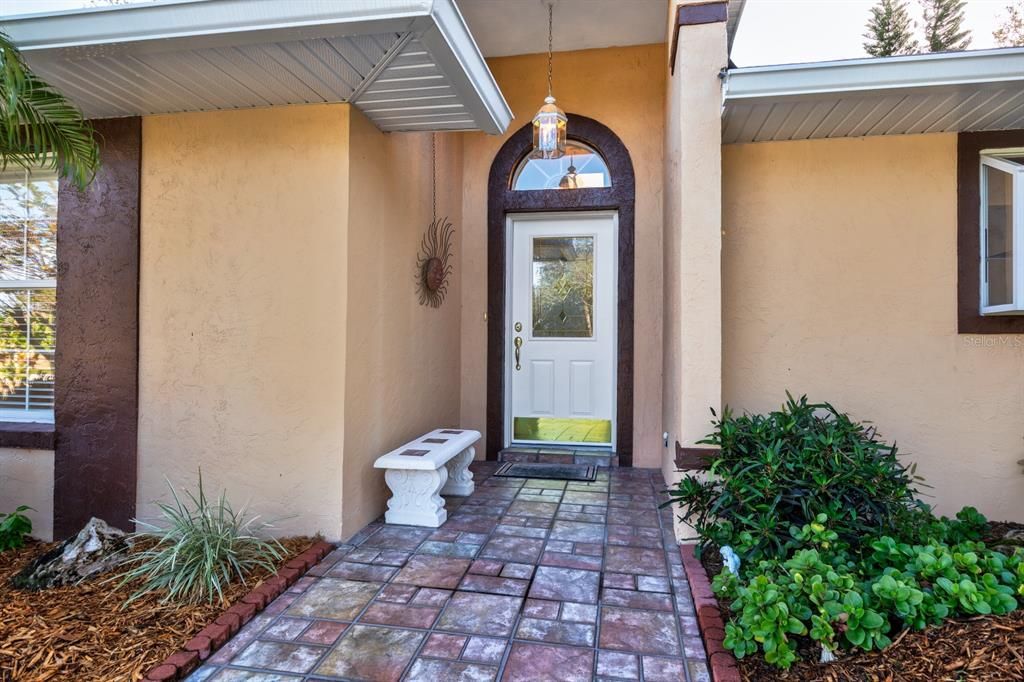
[(81, 633), (982, 648)]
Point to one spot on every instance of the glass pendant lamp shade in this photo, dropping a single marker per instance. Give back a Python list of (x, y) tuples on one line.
[(549, 123), (549, 131)]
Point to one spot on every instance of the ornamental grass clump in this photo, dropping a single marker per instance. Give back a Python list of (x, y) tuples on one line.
[(202, 547)]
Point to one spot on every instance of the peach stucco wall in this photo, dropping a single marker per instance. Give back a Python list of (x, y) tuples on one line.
[(243, 310), (623, 88), (402, 358), (840, 269), (692, 301), (26, 477)]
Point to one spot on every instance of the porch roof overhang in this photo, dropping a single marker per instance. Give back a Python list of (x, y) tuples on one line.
[(407, 64), (945, 92)]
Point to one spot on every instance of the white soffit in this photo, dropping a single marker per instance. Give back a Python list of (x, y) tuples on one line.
[(407, 64), (945, 92)]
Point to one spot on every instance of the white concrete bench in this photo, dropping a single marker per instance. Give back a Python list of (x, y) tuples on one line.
[(420, 471)]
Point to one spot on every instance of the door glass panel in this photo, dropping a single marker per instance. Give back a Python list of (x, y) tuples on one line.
[(999, 236), (563, 287)]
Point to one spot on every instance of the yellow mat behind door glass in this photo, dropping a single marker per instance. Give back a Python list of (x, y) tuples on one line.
[(562, 430)]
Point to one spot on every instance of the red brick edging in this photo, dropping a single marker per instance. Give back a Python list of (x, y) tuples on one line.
[(178, 665), (709, 618)]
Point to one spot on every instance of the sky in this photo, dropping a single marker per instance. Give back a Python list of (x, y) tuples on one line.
[(771, 32), (790, 31)]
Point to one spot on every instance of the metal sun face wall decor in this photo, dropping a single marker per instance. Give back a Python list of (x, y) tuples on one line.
[(433, 264)]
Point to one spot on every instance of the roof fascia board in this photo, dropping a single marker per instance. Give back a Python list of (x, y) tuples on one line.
[(295, 19), (866, 76)]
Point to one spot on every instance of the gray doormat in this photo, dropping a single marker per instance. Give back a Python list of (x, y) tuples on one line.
[(557, 472)]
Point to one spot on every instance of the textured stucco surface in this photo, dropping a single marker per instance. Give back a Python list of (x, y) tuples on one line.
[(243, 310), (26, 477), (402, 376), (95, 395), (623, 88), (692, 302), (840, 271)]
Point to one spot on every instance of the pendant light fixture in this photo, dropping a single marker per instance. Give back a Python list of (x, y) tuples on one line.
[(549, 123)]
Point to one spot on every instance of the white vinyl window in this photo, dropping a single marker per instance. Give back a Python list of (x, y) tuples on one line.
[(28, 293), (1002, 232)]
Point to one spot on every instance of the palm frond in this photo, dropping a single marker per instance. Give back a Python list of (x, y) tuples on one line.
[(39, 127)]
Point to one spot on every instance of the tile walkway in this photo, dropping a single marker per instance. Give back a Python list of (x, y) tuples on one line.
[(528, 580)]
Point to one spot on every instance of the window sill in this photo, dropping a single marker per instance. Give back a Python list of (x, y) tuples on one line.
[(28, 435)]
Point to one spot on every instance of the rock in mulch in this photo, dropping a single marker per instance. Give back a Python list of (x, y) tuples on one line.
[(96, 549)]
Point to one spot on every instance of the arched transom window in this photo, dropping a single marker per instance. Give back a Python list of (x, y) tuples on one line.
[(581, 166)]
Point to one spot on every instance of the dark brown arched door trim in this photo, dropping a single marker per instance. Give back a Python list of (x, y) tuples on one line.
[(502, 200)]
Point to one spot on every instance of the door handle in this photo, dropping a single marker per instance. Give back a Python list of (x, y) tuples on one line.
[(518, 343)]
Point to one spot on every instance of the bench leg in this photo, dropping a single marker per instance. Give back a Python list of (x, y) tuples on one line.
[(414, 497), (460, 478)]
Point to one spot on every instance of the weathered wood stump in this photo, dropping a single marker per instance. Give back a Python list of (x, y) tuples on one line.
[(96, 549)]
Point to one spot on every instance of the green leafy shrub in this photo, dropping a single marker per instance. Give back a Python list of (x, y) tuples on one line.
[(14, 528), (824, 595), (785, 468), (203, 546), (836, 549)]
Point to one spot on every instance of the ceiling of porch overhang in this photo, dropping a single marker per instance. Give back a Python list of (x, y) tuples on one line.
[(407, 64), (510, 27), (945, 92)]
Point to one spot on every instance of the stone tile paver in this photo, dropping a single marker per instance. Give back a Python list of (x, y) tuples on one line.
[(480, 614), (372, 653), (548, 663), (334, 598), (528, 580), (646, 632), (565, 584)]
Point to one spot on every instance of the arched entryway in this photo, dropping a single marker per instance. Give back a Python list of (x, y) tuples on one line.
[(617, 199)]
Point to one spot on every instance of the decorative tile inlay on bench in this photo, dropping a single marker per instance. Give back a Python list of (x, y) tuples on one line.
[(528, 580), (414, 453)]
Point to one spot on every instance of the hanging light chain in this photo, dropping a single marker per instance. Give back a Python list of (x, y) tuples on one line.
[(551, 8), (433, 175)]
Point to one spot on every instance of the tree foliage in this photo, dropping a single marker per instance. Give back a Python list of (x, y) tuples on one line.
[(1011, 31), (943, 25), (890, 30), (39, 127)]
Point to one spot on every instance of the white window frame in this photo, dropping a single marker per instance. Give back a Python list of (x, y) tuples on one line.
[(995, 158), (27, 415)]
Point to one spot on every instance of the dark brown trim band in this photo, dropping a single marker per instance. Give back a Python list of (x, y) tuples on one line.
[(695, 15), (502, 200), (97, 358), (28, 435), (694, 458), (968, 252)]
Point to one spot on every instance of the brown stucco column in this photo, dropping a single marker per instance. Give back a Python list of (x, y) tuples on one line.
[(97, 358), (693, 223)]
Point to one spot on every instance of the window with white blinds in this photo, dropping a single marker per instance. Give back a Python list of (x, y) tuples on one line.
[(28, 293)]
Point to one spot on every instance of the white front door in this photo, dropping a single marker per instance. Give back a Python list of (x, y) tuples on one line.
[(561, 329)]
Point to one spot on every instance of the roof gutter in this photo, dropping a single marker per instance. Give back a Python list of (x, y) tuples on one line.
[(875, 75)]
